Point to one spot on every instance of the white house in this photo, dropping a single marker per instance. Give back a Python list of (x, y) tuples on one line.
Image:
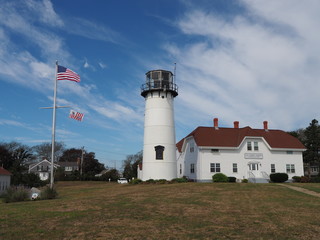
[(42, 168), (5, 178), (244, 153)]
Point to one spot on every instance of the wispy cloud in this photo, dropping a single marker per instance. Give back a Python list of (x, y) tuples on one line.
[(26, 68), (102, 65), (46, 14), (11, 123), (116, 111), (93, 30), (246, 68)]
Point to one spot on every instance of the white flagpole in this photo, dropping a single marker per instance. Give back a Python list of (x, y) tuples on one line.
[(53, 125)]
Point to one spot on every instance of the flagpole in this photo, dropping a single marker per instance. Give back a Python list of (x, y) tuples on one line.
[(53, 125)]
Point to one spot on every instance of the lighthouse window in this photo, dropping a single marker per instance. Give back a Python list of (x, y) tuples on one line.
[(159, 152), (155, 75), (165, 76)]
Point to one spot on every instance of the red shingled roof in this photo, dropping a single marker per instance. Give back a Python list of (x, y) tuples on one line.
[(4, 171), (232, 137)]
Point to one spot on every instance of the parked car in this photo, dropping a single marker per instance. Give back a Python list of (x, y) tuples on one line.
[(122, 180)]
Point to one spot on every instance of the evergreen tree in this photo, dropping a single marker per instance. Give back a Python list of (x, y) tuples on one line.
[(312, 142)]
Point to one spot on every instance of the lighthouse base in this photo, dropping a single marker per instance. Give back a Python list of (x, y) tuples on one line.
[(156, 171)]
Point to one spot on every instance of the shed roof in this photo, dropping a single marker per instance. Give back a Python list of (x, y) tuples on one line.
[(4, 171)]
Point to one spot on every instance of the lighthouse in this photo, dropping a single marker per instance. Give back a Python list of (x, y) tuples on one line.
[(159, 147)]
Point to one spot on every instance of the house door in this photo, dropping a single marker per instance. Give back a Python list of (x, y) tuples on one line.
[(254, 168)]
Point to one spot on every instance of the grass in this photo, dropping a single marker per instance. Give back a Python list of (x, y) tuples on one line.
[(99, 210), (310, 186)]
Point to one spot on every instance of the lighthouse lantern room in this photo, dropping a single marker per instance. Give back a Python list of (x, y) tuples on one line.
[(159, 149)]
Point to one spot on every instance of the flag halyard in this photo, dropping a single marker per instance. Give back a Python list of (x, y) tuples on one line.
[(64, 73)]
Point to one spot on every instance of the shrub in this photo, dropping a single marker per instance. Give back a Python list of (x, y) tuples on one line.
[(315, 180), (48, 193), (16, 194), (232, 179), (161, 181), (179, 180), (304, 179), (219, 177), (296, 179), (244, 180), (150, 181), (278, 177), (136, 181)]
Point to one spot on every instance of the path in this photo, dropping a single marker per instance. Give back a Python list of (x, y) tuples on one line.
[(300, 189)]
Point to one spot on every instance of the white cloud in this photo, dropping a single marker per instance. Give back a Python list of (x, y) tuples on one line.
[(102, 65), (116, 111), (11, 123), (45, 11), (93, 30), (254, 67), (86, 64)]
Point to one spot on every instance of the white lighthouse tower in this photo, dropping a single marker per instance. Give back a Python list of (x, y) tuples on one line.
[(159, 149)]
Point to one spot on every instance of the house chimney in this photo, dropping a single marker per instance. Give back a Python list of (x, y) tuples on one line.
[(236, 124), (215, 123), (265, 125)]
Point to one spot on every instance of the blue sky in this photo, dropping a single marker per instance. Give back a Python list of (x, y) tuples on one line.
[(244, 60)]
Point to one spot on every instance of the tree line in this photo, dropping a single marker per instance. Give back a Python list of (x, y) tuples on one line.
[(16, 157), (310, 138)]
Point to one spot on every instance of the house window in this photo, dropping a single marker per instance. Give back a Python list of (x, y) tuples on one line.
[(191, 147), (159, 152), (235, 167), (180, 168), (255, 146), (192, 168), (249, 146), (273, 168), (289, 152), (290, 168), (214, 150), (253, 166), (215, 167), (68, 168)]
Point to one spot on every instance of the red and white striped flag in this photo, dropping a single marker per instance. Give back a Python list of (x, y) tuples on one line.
[(76, 115), (67, 74)]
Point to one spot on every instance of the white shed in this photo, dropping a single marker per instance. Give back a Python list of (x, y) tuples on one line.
[(5, 179)]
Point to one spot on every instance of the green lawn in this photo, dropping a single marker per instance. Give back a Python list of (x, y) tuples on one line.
[(310, 186), (99, 210)]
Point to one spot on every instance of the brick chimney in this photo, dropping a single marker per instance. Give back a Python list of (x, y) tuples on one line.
[(236, 124), (215, 123), (265, 125)]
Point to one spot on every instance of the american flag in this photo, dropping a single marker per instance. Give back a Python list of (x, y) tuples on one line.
[(76, 115), (67, 74)]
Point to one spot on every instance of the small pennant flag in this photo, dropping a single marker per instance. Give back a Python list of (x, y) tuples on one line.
[(67, 74), (76, 115)]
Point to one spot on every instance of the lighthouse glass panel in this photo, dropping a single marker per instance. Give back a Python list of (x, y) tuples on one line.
[(165, 80), (159, 152), (156, 79)]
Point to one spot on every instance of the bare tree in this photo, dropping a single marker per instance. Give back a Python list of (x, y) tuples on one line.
[(43, 151)]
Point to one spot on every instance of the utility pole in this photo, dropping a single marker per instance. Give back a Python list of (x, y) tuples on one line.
[(82, 153)]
